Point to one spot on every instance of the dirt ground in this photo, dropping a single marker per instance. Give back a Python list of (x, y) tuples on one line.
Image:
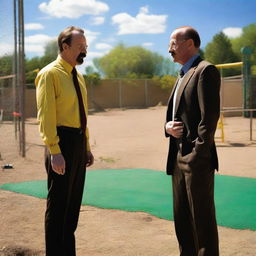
[(120, 139)]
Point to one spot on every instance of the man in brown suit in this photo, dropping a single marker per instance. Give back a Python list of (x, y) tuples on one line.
[(192, 116)]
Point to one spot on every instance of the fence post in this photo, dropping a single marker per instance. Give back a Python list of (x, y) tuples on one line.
[(247, 91), (146, 92), (21, 75), (120, 93), (251, 118)]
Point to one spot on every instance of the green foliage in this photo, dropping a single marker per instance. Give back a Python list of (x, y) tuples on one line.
[(166, 81), (201, 53), (253, 69), (51, 49), (129, 62), (33, 65), (6, 65), (248, 38), (92, 77), (220, 51), (5, 69), (167, 68)]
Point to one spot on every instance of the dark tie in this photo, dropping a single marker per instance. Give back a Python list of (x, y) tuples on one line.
[(181, 73), (80, 100)]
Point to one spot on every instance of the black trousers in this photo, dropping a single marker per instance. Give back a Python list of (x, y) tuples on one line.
[(65, 194), (194, 211)]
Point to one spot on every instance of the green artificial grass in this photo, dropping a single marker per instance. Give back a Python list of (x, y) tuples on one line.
[(151, 191)]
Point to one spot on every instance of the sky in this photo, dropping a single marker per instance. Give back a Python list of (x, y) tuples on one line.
[(109, 22)]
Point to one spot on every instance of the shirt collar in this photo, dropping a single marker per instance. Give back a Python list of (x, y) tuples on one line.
[(65, 64), (189, 63)]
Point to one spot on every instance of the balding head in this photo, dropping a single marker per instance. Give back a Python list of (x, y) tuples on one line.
[(184, 44), (187, 32)]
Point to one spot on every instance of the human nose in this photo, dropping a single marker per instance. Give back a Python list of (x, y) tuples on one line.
[(172, 46)]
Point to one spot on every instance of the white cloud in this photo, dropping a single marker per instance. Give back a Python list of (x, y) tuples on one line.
[(142, 23), (92, 55), (147, 44), (36, 43), (33, 26), (110, 39), (232, 32), (73, 9), (97, 20), (90, 36), (6, 49), (38, 39), (103, 46)]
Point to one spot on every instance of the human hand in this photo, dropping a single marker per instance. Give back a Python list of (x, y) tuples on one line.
[(174, 128), (90, 159), (58, 163)]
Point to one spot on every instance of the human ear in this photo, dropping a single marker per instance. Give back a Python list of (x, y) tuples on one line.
[(65, 46)]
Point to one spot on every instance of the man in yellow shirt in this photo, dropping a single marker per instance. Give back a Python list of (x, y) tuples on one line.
[(62, 114)]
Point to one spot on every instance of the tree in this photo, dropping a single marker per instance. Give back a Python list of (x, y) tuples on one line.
[(129, 62), (220, 51), (51, 49), (92, 77), (248, 38), (167, 67), (5, 69), (166, 81), (33, 65)]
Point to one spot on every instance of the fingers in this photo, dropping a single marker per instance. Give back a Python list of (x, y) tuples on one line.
[(90, 160), (58, 169), (175, 128), (58, 163)]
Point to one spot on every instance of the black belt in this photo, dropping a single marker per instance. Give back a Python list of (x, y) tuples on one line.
[(71, 129)]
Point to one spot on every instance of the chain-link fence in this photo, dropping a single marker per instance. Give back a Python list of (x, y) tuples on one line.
[(12, 89)]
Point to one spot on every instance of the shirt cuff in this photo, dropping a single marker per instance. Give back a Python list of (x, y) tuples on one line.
[(54, 149)]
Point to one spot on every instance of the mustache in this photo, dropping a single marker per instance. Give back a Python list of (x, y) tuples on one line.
[(172, 53), (80, 57)]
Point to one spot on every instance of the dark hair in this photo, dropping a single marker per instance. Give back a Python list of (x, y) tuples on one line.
[(66, 36), (191, 33)]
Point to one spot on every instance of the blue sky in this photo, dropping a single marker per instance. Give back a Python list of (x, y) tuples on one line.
[(109, 22)]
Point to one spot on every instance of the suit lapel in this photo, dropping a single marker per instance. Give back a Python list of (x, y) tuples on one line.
[(185, 81)]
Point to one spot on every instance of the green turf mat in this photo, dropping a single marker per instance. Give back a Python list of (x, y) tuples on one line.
[(151, 191)]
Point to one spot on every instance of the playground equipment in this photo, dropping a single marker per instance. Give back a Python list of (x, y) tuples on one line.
[(248, 96)]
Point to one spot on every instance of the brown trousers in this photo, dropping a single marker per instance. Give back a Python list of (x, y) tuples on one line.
[(194, 210), (65, 194)]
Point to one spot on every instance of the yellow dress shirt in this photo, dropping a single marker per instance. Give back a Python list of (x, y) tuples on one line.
[(57, 102)]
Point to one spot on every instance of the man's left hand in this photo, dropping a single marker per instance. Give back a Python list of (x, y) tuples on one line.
[(90, 159)]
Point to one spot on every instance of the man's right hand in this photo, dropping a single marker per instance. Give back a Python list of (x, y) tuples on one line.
[(174, 128), (58, 163)]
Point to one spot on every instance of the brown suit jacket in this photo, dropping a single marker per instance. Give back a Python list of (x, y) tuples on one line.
[(198, 107)]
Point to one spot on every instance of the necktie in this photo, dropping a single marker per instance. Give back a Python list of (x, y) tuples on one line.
[(181, 73), (80, 100)]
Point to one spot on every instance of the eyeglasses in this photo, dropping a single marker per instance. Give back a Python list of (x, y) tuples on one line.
[(173, 43)]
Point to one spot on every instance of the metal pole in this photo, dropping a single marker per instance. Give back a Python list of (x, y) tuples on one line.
[(146, 92), (222, 90), (251, 118), (14, 68), (246, 53), (22, 77), (120, 93)]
